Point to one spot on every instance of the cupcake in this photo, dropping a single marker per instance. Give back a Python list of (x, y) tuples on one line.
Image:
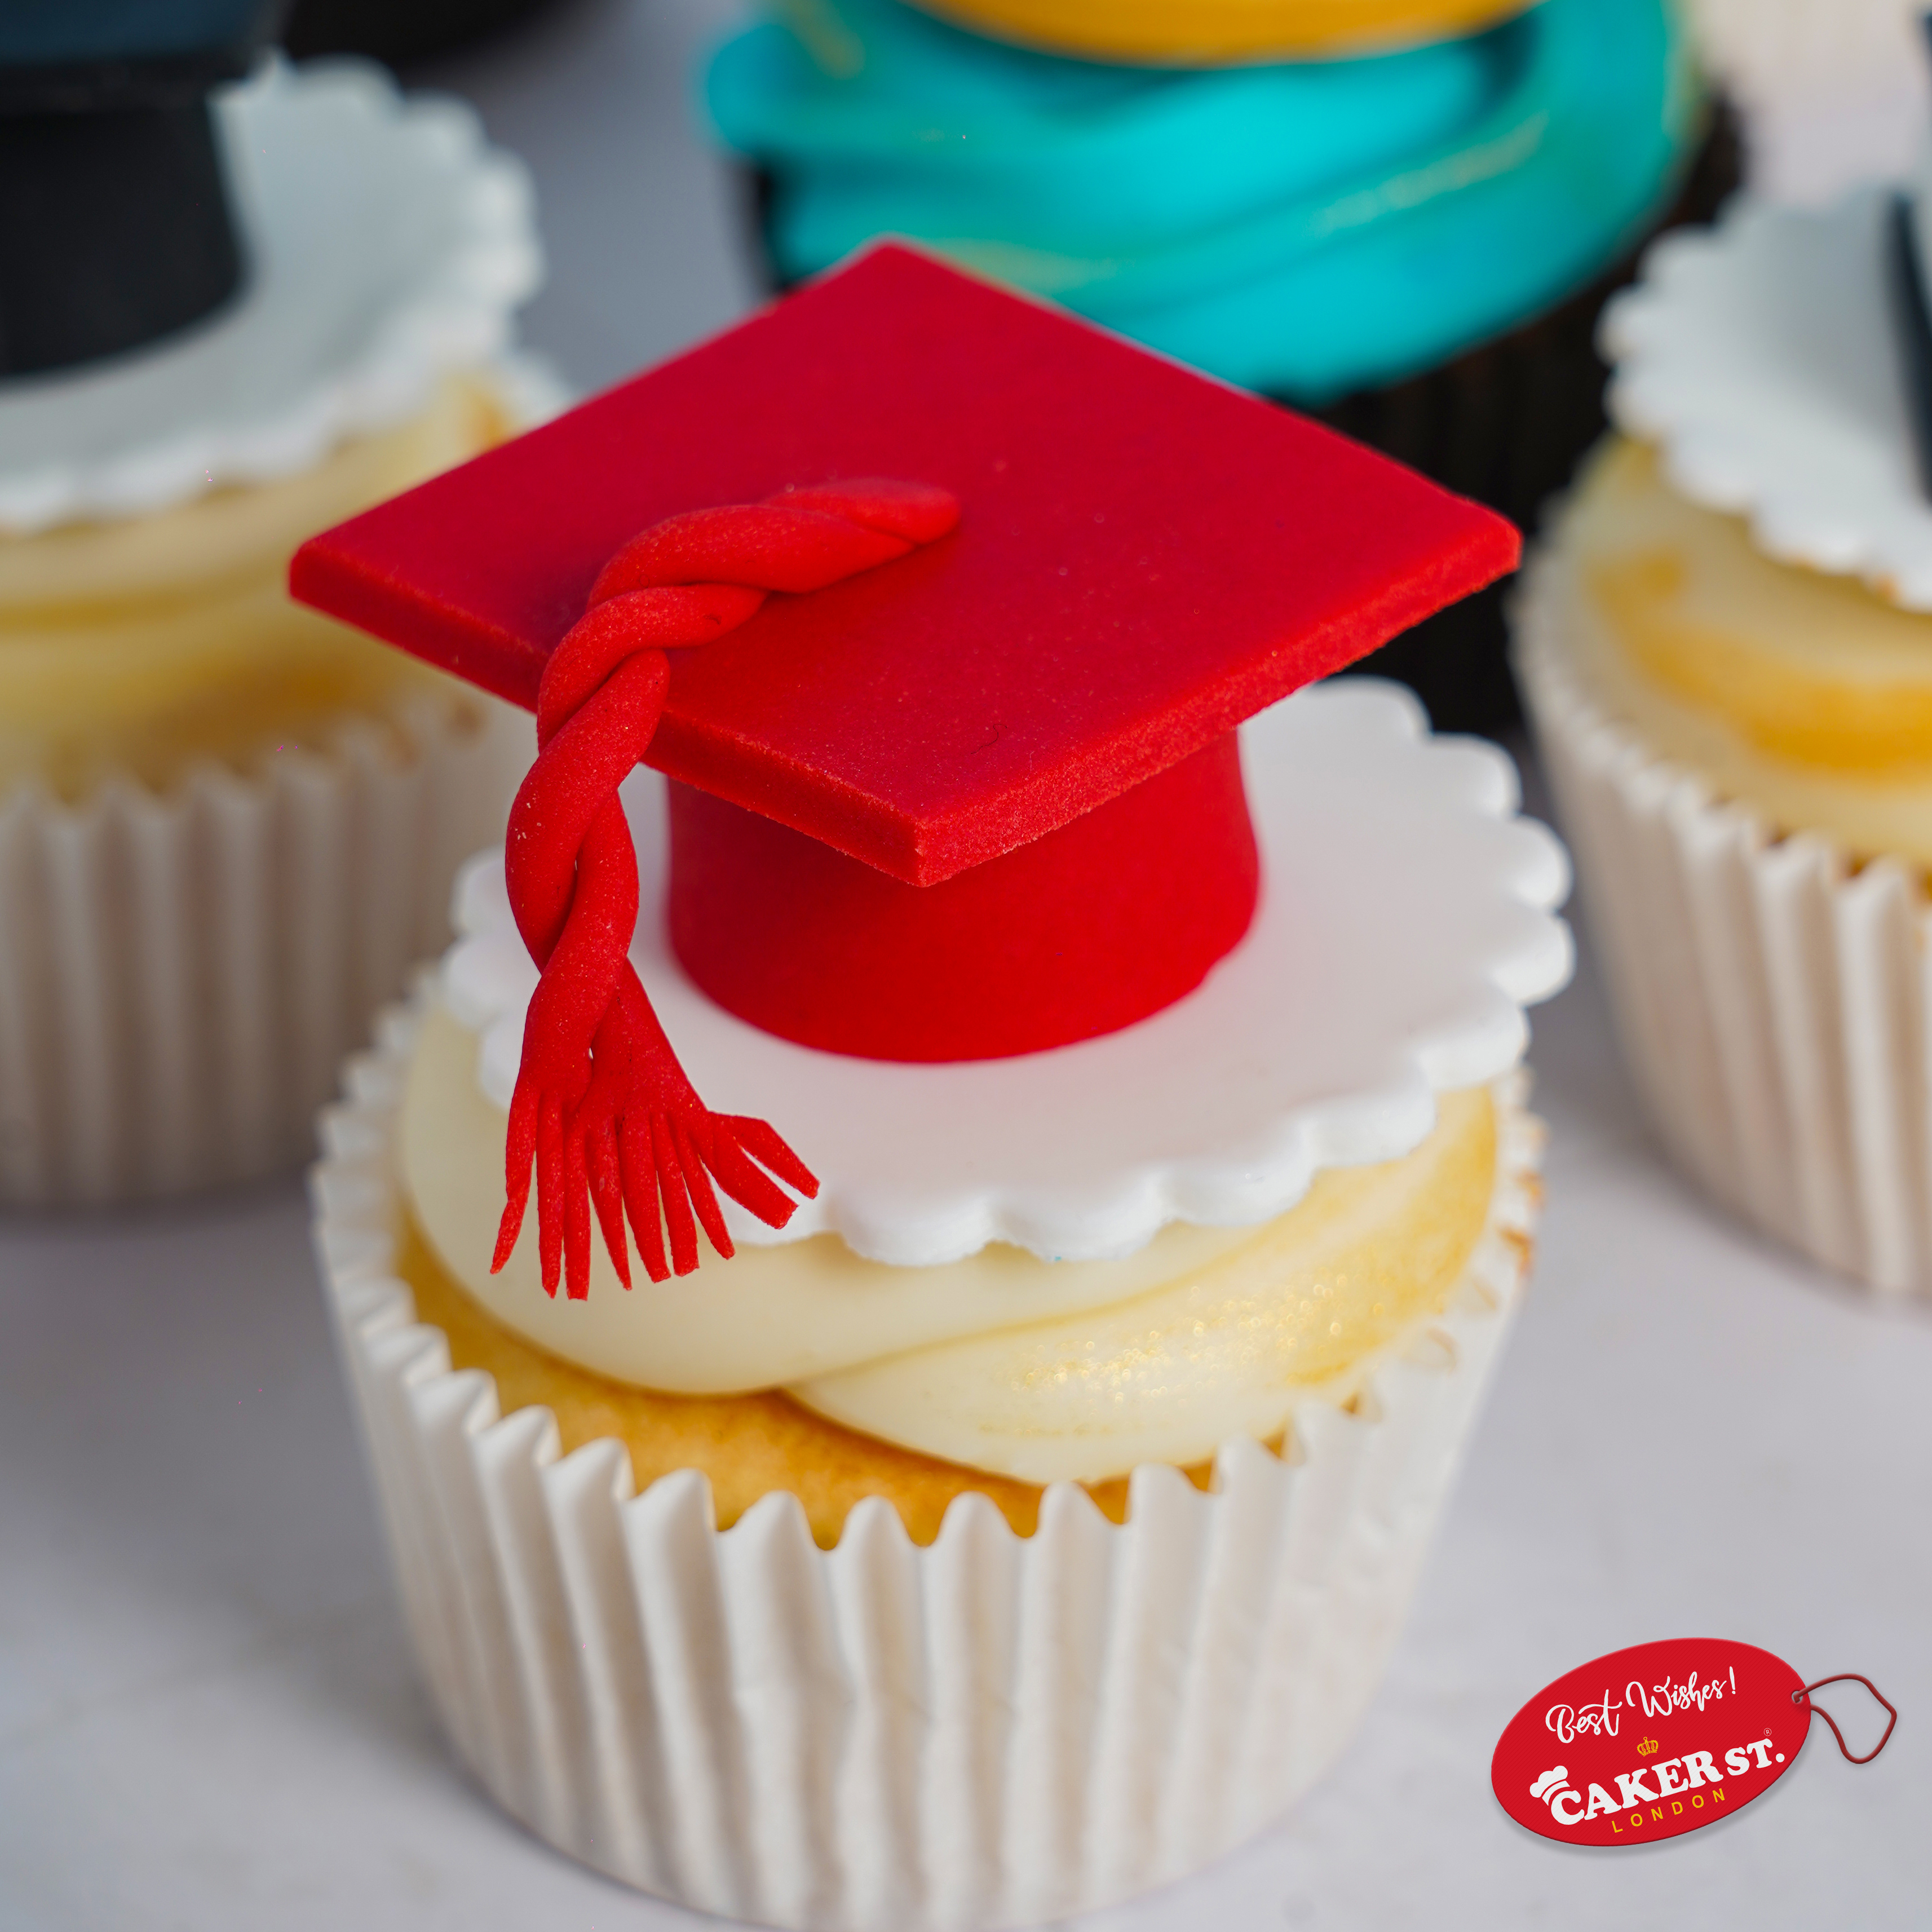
[(1411, 245), (1015, 1506), (228, 827), (1727, 650)]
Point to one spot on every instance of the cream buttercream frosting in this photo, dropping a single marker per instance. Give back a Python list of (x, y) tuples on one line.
[(1038, 1370), (1808, 697), (1223, 1348), (140, 646)]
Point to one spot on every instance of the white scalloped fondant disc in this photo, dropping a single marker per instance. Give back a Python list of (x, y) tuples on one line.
[(1406, 919), (387, 245), (1759, 356)]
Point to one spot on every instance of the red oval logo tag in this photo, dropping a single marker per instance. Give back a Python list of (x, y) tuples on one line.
[(1650, 1742)]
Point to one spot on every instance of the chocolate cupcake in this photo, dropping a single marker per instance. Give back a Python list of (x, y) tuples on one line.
[(1413, 244)]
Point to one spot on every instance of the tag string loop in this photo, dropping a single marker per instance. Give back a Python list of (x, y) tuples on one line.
[(1803, 1696)]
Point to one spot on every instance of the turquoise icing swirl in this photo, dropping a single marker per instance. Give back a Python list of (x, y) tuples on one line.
[(1307, 229)]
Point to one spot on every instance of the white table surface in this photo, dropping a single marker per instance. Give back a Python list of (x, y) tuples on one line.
[(208, 1718)]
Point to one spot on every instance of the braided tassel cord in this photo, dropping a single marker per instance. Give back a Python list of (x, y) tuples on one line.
[(603, 1114)]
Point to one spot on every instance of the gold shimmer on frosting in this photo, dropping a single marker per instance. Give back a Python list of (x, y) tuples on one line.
[(144, 646), (1808, 696), (1223, 1349)]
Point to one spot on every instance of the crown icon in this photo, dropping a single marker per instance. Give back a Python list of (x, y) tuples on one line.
[(1646, 1747)]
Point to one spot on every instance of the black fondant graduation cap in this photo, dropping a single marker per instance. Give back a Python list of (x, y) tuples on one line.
[(114, 224)]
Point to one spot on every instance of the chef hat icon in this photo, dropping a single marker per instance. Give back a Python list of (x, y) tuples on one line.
[(1545, 1786)]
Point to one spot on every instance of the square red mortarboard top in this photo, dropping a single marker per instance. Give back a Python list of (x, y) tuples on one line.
[(1145, 558)]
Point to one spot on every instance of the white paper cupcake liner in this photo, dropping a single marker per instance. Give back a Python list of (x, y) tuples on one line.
[(1772, 998), (991, 1731), (181, 975)]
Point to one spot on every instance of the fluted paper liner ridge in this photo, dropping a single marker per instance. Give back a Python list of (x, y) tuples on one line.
[(181, 973)]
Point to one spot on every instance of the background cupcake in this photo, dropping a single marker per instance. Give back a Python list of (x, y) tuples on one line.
[(1398, 242), (1096, 1204), (1729, 657), (226, 826)]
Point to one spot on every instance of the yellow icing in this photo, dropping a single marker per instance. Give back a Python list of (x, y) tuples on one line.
[(1216, 30), (144, 646), (1806, 696)]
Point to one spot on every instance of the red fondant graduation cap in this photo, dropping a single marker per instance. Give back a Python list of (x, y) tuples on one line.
[(939, 608)]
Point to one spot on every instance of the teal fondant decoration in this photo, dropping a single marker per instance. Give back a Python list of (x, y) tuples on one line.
[(1307, 229)]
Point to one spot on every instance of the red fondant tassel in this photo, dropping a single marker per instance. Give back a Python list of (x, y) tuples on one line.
[(602, 1110)]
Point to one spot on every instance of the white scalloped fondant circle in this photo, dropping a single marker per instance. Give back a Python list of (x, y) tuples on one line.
[(1406, 919), (387, 245), (1759, 358)]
